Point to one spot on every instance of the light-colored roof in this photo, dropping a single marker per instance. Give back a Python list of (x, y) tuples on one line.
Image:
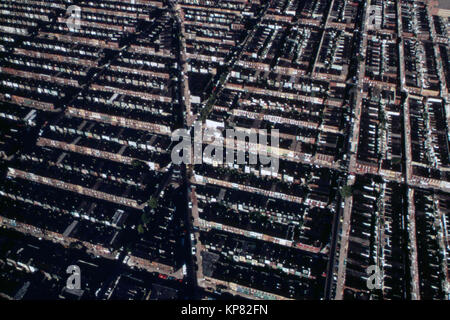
[(444, 4)]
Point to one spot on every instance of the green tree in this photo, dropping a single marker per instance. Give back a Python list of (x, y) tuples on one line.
[(152, 202), (346, 191), (138, 164), (145, 218), (140, 229)]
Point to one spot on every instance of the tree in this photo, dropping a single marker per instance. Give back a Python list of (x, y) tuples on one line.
[(140, 229), (346, 191), (145, 218), (138, 164), (135, 163), (152, 202)]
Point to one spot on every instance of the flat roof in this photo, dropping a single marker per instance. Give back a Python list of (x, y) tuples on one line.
[(444, 4)]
